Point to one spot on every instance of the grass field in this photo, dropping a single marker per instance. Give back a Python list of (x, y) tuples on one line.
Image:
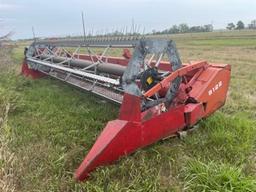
[(47, 127)]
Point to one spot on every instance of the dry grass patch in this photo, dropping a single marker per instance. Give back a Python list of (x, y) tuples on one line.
[(7, 157)]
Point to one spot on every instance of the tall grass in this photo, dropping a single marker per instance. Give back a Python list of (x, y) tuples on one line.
[(213, 176), (7, 157)]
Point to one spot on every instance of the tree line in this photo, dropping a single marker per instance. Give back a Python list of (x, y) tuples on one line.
[(240, 25), (184, 28), (175, 29)]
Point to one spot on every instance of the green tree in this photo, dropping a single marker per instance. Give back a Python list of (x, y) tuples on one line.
[(174, 29), (231, 26), (252, 25), (208, 28), (240, 25), (183, 28)]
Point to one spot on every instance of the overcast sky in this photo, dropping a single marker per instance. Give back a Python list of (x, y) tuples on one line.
[(59, 18)]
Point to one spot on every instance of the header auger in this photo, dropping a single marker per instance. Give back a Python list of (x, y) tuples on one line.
[(158, 98)]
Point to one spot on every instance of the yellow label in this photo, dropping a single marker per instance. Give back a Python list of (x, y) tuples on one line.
[(149, 80)]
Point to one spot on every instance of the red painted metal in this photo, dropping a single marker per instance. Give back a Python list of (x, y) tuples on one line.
[(30, 72), (122, 137), (135, 129), (127, 54), (178, 73), (211, 87), (193, 113)]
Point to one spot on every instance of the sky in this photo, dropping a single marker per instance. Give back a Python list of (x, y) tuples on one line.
[(60, 18)]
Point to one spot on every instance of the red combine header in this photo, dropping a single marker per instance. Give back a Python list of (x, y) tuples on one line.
[(159, 96)]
